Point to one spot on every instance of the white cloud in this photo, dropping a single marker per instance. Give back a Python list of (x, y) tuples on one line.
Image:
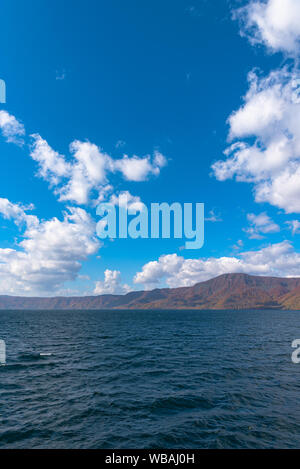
[(49, 254), (159, 160), (139, 169), (11, 128), (77, 178), (213, 217), (274, 23), (154, 271), (125, 199), (282, 190), (134, 169), (52, 165), (269, 155), (239, 244), (294, 226), (88, 172), (266, 127), (275, 260), (111, 284), (17, 213), (260, 224), (270, 96), (88, 169)]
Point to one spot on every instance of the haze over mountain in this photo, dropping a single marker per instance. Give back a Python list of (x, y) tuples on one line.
[(228, 291)]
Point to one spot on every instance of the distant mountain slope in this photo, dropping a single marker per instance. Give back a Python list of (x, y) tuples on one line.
[(228, 291)]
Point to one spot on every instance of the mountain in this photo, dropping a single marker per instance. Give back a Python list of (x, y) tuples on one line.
[(228, 291)]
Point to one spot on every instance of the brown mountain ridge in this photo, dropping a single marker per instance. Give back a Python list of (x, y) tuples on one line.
[(228, 291)]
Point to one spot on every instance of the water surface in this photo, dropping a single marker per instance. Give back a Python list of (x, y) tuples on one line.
[(173, 379)]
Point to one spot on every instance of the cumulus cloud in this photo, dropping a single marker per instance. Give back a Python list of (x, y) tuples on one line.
[(259, 225), (269, 153), (275, 260), (88, 169), (274, 23), (50, 252), (111, 285), (51, 165), (265, 133), (11, 128), (139, 169), (17, 213)]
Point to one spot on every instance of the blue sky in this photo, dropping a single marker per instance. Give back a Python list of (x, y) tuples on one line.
[(147, 78)]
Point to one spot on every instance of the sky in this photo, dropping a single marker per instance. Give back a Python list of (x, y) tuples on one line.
[(174, 101)]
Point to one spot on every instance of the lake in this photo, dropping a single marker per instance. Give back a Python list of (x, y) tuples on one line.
[(131, 379)]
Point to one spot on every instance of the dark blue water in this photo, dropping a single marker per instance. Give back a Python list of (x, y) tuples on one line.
[(150, 380)]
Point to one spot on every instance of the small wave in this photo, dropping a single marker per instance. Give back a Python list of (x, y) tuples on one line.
[(34, 355), (182, 403)]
